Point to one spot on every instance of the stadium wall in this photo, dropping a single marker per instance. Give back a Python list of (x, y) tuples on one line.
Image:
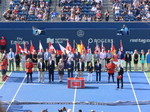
[(139, 37)]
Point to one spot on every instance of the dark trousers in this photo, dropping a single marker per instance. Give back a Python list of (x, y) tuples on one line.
[(98, 76), (128, 63), (51, 76), (70, 73), (120, 80), (27, 79), (46, 64), (110, 74)]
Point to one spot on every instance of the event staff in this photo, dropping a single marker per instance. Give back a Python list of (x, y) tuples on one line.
[(90, 71), (70, 67), (80, 67), (46, 58), (4, 64), (3, 44), (111, 69), (128, 59), (120, 76), (103, 57), (76, 58), (11, 57), (121, 57), (50, 68), (29, 66), (98, 71), (41, 67)]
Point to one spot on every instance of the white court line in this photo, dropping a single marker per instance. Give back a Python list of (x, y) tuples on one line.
[(5, 81), (74, 101), (15, 94), (146, 77), (134, 93)]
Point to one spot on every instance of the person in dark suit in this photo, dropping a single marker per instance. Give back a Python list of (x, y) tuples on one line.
[(51, 67), (80, 67), (76, 58), (70, 67), (98, 71), (41, 67), (128, 59), (41, 54), (29, 55), (120, 76), (90, 71)]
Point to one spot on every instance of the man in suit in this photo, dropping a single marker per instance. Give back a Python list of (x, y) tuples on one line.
[(41, 67), (51, 67), (128, 59), (120, 76), (41, 54), (120, 57), (96, 57), (29, 55), (11, 57), (76, 58), (70, 67), (80, 67), (46, 57), (98, 71)]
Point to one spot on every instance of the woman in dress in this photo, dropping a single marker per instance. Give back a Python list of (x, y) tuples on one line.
[(53, 55), (61, 69), (90, 71), (23, 60), (135, 60), (65, 57), (17, 60), (35, 60), (142, 59), (58, 57)]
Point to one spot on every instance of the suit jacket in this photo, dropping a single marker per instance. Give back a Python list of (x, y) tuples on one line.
[(52, 66), (43, 66), (77, 56), (82, 66), (128, 58), (121, 71), (71, 65), (98, 67)]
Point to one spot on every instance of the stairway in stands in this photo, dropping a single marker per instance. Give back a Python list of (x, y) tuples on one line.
[(107, 4)]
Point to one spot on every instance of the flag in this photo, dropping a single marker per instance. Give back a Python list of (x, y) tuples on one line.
[(121, 46), (79, 48), (68, 47), (18, 48), (51, 47), (88, 48), (82, 46), (25, 47), (40, 47), (31, 47), (97, 48), (74, 46), (61, 49), (113, 50)]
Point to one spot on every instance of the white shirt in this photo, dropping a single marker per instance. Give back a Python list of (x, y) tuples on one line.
[(41, 65), (80, 65)]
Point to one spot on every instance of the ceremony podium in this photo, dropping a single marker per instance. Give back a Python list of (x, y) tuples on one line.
[(76, 83)]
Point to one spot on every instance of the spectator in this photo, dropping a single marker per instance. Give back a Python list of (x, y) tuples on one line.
[(94, 8), (11, 2), (121, 18), (84, 18), (106, 15), (89, 19), (98, 16), (77, 18), (117, 9), (53, 14), (63, 18)]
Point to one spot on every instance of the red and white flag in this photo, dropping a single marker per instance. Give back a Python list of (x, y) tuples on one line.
[(51, 47), (121, 46), (97, 48), (40, 47), (31, 47), (25, 47), (68, 47), (18, 48)]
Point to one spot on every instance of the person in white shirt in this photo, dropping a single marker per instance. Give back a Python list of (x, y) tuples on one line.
[(117, 9), (70, 55), (11, 57), (102, 58), (94, 8)]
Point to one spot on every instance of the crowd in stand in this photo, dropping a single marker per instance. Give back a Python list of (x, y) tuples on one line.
[(137, 10), (31, 10)]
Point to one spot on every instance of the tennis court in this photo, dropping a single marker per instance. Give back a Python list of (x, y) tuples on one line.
[(21, 96)]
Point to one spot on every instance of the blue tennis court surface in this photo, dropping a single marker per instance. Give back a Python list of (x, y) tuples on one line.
[(136, 89)]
